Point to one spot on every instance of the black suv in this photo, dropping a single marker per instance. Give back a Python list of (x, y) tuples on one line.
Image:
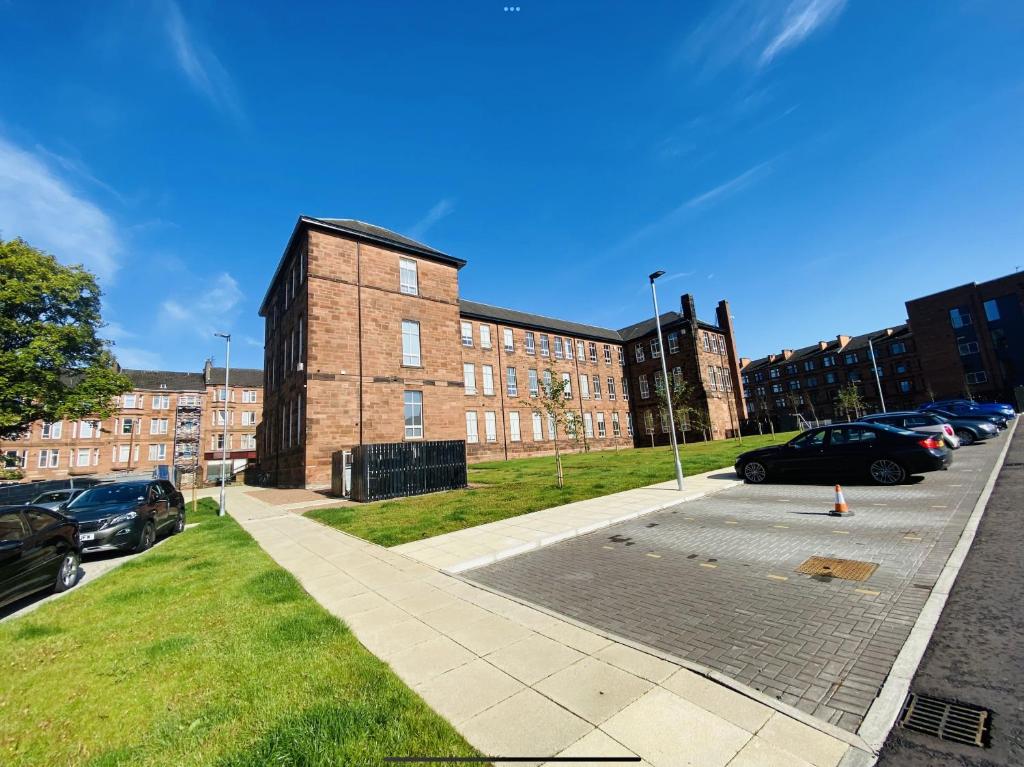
[(127, 515)]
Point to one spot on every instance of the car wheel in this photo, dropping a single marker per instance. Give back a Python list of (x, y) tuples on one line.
[(886, 471), (179, 523), (755, 472), (966, 437), (67, 574), (147, 538)]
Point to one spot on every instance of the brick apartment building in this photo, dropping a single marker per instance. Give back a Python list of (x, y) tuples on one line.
[(970, 339), (145, 432), (806, 381), (367, 341)]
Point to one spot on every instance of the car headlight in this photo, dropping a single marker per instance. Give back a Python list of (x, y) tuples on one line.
[(122, 519)]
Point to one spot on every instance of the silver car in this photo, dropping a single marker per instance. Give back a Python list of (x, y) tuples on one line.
[(915, 421), (54, 499)]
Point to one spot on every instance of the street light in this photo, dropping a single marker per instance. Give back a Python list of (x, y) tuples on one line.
[(664, 379), (225, 453)]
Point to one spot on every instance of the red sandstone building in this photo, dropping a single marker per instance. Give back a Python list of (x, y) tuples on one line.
[(367, 341)]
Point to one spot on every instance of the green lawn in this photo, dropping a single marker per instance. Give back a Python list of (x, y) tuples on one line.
[(510, 488), (202, 652)]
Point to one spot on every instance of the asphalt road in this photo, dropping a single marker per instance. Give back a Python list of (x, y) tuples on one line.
[(976, 654), (714, 581)]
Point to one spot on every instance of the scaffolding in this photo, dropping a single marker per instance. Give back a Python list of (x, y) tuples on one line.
[(187, 420)]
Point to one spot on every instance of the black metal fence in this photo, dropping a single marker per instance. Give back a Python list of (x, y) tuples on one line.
[(396, 469)]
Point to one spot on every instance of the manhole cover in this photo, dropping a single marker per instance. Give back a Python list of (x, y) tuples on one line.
[(956, 722), (847, 569)]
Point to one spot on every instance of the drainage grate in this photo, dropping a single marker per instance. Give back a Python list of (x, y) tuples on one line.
[(847, 569), (956, 722)]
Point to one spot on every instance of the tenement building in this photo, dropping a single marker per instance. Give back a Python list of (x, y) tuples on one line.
[(367, 341), (971, 339), (167, 418), (805, 383)]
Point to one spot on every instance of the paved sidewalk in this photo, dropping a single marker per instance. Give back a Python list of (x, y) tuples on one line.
[(485, 544), (516, 681)]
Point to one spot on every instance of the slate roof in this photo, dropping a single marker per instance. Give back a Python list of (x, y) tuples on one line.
[(477, 310), (855, 343), (169, 380), (239, 377)]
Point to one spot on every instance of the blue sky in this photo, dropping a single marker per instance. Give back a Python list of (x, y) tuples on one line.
[(815, 162)]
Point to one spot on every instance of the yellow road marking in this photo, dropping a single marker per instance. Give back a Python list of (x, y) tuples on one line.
[(869, 592), (705, 564), (781, 527), (608, 547), (654, 556), (911, 538), (728, 522), (841, 532), (879, 504), (690, 519), (778, 577), (940, 507)]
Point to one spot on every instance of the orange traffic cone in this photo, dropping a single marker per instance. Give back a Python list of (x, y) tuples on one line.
[(841, 509)]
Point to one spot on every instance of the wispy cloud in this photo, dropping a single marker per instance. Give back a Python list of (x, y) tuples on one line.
[(730, 187), (802, 18), (441, 209), (212, 307), (39, 206), (754, 32), (199, 63), (138, 358)]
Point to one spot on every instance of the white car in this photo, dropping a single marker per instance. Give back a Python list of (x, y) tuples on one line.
[(914, 421)]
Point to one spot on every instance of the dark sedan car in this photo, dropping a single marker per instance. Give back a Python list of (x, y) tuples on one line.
[(127, 516), (39, 550), (885, 454), (967, 430), (999, 421)]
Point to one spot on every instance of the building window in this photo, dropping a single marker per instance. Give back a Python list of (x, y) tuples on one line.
[(673, 342), (808, 365), (547, 382), (625, 389), (532, 377), (530, 343), (828, 361), (959, 317), (645, 390), (901, 368), (791, 369), (471, 428), (616, 428), (905, 387), (249, 441), (607, 354), (190, 400), (161, 402), (485, 336), (966, 347), (677, 376), (649, 421), (157, 452), (776, 388), (408, 280), (611, 388), (414, 415), (991, 310), (488, 376), (655, 349), (567, 385), (622, 356), (592, 350), (664, 421), (545, 345), (52, 430), (588, 425), (248, 418), (89, 429), (638, 350), (794, 385), (551, 427), (128, 424), (978, 377), (510, 382), (774, 373), (538, 428), (157, 425), (850, 358), (811, 382), (469, 377), (830, 378), (490, 427), (510, 343), (131, 401), (514, 434), (898, 347), (713, 380), (584, 386), (597, 387), (467, 334), (83, 456), (558, 348), (601, 433), (411, 343), (49, 459), (249, 396), (853, 375), (581, 352)]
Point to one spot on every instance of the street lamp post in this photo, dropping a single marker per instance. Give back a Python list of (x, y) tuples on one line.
[(664, 379), (225, 454), (878, 379)]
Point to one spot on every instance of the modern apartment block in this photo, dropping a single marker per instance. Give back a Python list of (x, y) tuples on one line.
[(141, 435), (805, 382), (367, 341), (970, 339)]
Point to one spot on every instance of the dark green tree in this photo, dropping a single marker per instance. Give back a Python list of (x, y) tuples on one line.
[(53, 365)]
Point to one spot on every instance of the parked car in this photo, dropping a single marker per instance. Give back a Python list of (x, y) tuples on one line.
[(885, 454), (928, 423), (998, 421), (39, 549), (127, 516), (967, 407), (55, 498)]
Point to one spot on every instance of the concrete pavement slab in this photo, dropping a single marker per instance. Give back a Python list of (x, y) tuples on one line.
[(593, 689)]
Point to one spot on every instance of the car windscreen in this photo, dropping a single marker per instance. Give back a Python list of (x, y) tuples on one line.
[(52, 497), (109, 494)]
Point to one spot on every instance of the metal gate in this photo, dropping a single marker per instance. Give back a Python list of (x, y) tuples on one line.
[(396, 469)]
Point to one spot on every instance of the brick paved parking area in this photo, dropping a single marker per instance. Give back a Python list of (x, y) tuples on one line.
[(713, 581)]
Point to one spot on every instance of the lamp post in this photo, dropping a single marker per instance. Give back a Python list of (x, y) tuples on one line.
[(878, 379), (664, 379), (225, 453)]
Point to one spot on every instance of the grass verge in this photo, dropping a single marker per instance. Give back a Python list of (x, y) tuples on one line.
[(202, 652), (511, 488)]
